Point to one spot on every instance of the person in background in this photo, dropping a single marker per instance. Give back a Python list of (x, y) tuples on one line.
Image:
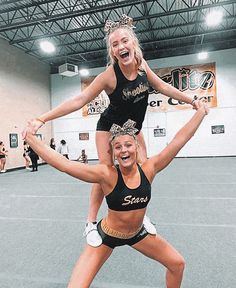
[(127, 188), (83, 157), (26, 155), (3, 155), (34, 159), (127, 81), (63, 148), (53, 144)]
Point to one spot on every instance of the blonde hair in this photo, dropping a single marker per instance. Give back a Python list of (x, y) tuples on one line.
[(138, 54)]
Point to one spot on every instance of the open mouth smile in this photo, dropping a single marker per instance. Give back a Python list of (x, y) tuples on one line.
[(124, 54), (125, 158)]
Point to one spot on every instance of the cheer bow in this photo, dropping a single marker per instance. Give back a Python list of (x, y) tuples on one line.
[(127, 128), (125, 20)]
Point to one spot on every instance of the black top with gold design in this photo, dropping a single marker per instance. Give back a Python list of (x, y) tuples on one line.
[(123, 198), (129, 100)]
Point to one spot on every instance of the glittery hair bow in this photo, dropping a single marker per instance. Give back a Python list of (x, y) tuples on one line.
[(127, 128), (125, 20)]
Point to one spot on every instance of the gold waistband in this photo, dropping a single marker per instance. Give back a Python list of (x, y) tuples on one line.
[(113, 233)]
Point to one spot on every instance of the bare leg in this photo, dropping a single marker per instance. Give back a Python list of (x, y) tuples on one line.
[(160, 250), (95, 202), (104, 156), (142, 151), (3, 162), (27, 159), (27, 162), (89, 263)]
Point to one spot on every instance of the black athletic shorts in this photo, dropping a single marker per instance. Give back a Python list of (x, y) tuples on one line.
[(104, 124), (113, 242)]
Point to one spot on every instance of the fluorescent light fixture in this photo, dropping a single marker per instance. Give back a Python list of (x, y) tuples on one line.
[(214, 18), (202, 55), (84, 72), (47, 46)]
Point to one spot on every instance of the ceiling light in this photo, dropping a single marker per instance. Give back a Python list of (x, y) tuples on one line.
[(214, 18), (202, 55), (47, 46), (84, 72)]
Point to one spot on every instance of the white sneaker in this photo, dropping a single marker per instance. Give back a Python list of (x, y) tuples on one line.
[(3, 171), (149, 226), (92, 236)]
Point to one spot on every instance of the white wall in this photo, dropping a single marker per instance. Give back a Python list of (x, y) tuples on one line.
[(24, 94), (203, 144)]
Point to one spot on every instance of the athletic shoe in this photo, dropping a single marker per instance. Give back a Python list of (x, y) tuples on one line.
[(149, 226), (28, 168), (3, 171), (92, 236)]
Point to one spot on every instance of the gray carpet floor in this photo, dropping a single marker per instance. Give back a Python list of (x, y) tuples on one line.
[(42, 217)]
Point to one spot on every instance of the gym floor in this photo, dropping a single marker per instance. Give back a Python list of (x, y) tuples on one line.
[(42, 218)]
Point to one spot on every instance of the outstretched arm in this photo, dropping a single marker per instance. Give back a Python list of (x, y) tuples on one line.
[(70, 105), (158, 84), (87, 173), (160, 161)]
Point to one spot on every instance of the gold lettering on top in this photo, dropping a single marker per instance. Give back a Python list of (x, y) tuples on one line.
[(127, 93)]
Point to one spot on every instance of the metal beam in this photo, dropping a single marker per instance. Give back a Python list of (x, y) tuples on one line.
[(196, 23), (107, 7), (92, 27), (142, 43), (62, 16)]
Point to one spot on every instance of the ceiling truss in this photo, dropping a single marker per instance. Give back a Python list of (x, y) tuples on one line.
[(164, 27)]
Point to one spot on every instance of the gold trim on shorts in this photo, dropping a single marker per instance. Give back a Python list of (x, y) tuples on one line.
[(113, 233)]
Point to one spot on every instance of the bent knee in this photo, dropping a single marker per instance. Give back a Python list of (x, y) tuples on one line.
[(179, 264)]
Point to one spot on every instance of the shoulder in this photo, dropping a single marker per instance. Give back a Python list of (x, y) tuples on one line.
[(105, 75), (148, 169), (146, 67), (109, 77), (108, 170), (110, 71), (108, 175)]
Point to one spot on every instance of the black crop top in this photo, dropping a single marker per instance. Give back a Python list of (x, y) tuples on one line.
[(123, 198), (129, 100)]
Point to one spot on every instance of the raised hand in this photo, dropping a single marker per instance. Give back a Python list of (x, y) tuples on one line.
[(32, 127), (202, 105)]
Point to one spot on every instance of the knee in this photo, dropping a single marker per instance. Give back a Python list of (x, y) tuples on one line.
[(179, 264)]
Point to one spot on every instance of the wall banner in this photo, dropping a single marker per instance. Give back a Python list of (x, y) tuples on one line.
[(199, 80), (96, 106)]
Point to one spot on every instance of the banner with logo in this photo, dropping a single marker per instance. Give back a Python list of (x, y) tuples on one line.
[(96, 106), (194, 80)]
